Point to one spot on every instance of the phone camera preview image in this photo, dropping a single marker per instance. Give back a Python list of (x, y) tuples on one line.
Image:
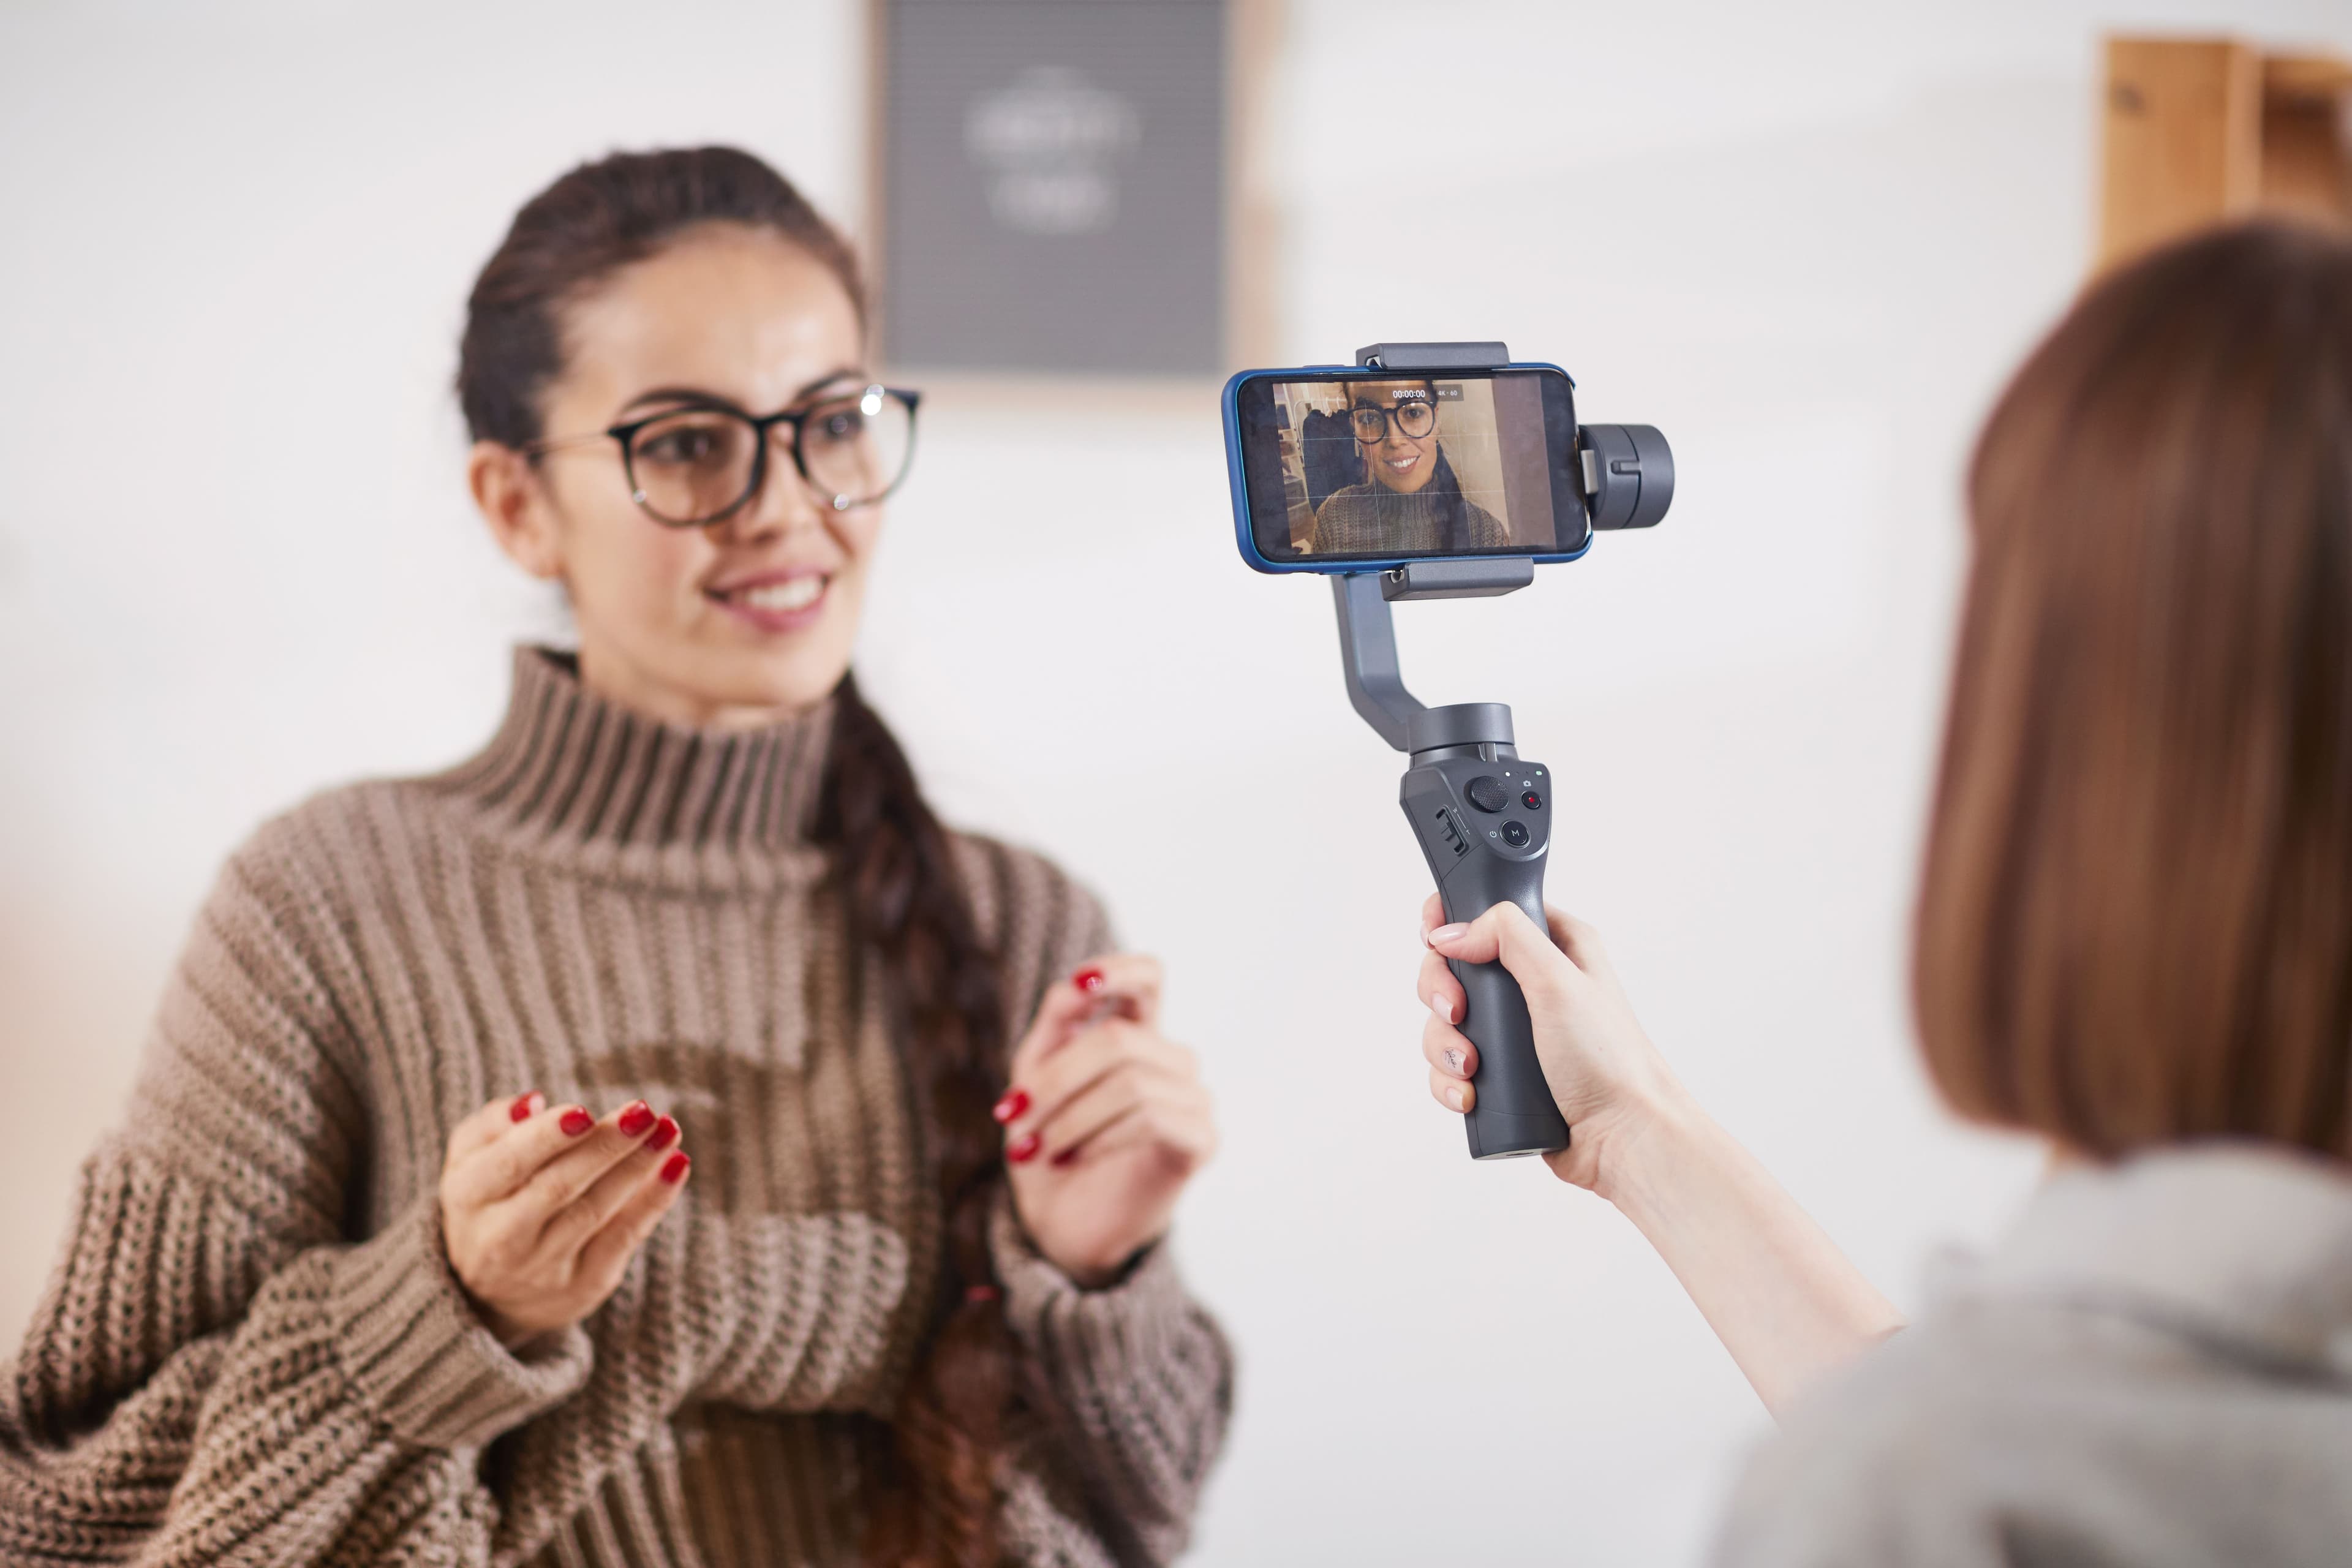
[(1366, 466)]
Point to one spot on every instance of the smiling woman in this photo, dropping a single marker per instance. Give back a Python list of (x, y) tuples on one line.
[(368, 1277), (680, 621)]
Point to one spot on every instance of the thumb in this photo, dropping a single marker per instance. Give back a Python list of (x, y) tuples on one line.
[(1505, 933)]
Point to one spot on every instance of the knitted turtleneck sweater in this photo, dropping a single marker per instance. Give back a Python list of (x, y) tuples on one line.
[(1436, 518), (254, 1350)]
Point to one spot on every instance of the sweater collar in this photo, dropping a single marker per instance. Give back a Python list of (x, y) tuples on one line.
[(2247, 1248), (569, 768)]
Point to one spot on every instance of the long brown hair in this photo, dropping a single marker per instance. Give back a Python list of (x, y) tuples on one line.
[(928, 1491), (2136, 923)]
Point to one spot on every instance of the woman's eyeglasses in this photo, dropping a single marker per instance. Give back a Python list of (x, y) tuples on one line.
[(698, 464), (1412, 420)]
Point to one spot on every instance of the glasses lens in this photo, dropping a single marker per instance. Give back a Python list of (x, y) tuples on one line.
[(856, 449), (1414, 419), (692, 466)]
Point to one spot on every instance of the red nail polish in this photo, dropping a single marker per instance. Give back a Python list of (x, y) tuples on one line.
[(673, 1169), (1087, 979), (1015, 1102), (576, 1121), (525, 1107), (665, 1134), (1024, 1148), (979, 1294), (1064, 1158), (635, 1117)]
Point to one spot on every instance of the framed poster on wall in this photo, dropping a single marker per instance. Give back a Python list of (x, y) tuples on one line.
[(1058, 185)]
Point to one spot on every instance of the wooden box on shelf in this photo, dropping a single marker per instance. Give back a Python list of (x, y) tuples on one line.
[(2200, 131)]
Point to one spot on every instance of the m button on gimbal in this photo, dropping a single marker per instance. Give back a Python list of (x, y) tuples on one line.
[(1487, 794), (1515, 833)]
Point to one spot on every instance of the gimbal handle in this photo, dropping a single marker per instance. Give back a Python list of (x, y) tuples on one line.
[(1483, 819)]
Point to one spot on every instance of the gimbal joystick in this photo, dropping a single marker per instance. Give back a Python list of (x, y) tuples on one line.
[(1482, 813)]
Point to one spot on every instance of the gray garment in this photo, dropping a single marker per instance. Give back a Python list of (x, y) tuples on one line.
[(2155, 1369), (1371, 516)]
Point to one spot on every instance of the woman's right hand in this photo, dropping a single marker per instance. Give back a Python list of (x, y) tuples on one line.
[(1787, 1304), (1609, 1080), (541, 1210)]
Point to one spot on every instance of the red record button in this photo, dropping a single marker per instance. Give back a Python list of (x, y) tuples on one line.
[(1532, 801)]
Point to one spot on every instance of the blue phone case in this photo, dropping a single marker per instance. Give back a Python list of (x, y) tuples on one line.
[(1247, 539)]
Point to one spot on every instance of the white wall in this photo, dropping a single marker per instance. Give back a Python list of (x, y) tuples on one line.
[(236, 564)]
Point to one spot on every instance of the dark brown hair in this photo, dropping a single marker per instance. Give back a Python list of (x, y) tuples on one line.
[(928, 1487), (2136, 923)]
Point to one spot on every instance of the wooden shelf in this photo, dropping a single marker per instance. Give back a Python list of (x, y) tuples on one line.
[(2201, 130)]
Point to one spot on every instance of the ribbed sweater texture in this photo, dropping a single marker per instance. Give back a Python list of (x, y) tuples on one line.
[(253, 1349), (1371, 516)]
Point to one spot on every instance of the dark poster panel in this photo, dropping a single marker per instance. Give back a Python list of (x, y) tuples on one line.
[(1053, 176)]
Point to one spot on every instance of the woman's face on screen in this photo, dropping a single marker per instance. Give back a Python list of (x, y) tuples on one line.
[(750, 618), (1398, 460)]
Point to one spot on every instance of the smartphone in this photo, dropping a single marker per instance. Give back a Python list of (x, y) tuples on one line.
[(1348, 468)]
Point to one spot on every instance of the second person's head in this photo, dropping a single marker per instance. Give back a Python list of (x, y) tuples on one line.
[(2136, 927)]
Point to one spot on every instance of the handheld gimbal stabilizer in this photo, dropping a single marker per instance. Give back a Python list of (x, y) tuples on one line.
[(1481, 813)]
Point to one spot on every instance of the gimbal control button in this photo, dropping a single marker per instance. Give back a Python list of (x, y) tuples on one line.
[(1515, 833), (1486, 792), (1532, 801)]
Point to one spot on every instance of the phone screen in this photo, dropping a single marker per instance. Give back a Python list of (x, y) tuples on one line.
[(1366, 465)]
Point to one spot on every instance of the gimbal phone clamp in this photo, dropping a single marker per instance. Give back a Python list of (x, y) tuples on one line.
[(1481, 813)]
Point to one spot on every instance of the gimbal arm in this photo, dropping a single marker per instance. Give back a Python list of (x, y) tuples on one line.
[(1367, 650)]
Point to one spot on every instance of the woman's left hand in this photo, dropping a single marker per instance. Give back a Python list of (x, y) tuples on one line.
[(1105, 1122)]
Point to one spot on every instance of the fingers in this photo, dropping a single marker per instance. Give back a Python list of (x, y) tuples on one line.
[(1452, 1059), (1128, 1108), (1040, 1094), (1065, 1010), (1113, 1072), (486, 1123), (1127, 984), (1131, 1088), (609, 1249), (500, 1160), (564, 1179), (1433, 915), (1448, 1051), (1112, 1098), (569, 1229), (1440, 991)]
